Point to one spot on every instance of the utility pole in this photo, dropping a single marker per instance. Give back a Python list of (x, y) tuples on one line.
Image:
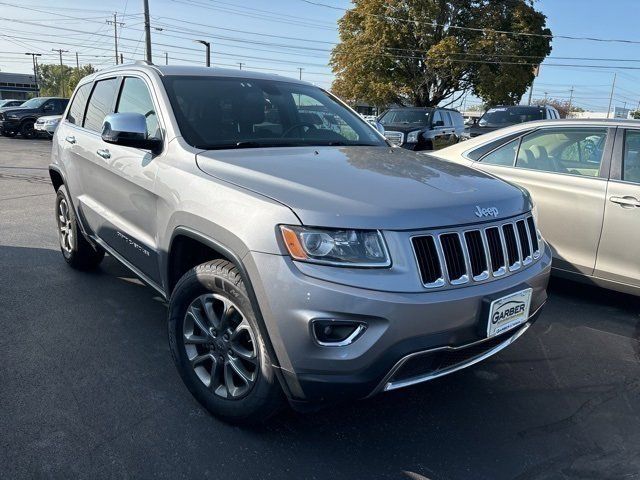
[(34, 57), (536, 72), (207, 46), (60, 52), (166, 58), (546, 95), (147, 31), (570, 101), (121, 59), (240, 63), (300, 70), (77, 61), (115, 24), (613, 87)]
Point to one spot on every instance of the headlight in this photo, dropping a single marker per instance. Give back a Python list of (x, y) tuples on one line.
[(413, 137), (355, 248), (52, 122)]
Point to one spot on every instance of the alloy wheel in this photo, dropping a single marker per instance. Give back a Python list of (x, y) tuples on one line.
[(220, 345), (65, 227)]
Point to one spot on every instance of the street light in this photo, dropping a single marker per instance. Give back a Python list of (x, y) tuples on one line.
[(208, 47)]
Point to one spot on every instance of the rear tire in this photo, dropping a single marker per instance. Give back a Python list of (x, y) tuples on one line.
[(217, 346), (76, 250)]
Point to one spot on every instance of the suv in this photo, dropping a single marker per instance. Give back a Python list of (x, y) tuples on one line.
[(23, 118), (505, 116), (299, 261), (422, 128)]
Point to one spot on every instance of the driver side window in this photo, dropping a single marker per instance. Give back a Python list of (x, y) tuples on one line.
[(136, 98)]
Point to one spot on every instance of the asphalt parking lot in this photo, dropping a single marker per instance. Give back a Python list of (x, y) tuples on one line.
[(88, 388)]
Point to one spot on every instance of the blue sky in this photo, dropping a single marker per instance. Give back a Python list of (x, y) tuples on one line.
[(251, 31)]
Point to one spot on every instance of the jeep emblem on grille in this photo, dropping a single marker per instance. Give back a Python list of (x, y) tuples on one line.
[(486, 212)]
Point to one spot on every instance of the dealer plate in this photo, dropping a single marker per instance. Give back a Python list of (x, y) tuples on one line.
[(508, 312)]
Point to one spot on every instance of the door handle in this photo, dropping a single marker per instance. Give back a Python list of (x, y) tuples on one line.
[(626, 202), (104, 153), (71, 139)]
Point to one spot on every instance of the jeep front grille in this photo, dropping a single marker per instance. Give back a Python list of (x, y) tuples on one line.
[(476, 254), (396, 138)]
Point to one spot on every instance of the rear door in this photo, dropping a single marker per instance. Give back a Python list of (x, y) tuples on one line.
[(565, 170), (619, 252)]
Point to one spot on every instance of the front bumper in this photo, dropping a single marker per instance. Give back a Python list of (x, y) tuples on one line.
[(9, 125), (398, 324), (45, 128)]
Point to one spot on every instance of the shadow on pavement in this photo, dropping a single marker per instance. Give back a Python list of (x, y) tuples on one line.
[(88, 389)]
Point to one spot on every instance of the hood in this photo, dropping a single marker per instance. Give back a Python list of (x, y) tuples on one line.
[(18, 110), (366, 187)]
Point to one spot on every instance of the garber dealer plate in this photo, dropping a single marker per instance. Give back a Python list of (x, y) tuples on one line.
[(509, 312)]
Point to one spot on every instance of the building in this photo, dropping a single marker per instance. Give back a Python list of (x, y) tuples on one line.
[(18, 86)]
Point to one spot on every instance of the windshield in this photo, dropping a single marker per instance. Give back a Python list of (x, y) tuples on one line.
[(406, 117), (496, 117), (34, 103), (220, 113)]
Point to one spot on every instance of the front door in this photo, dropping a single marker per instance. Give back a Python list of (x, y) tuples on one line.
[(619, 252), (563, 169)]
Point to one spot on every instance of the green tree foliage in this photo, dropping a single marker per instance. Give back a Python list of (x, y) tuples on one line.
[(414, 51), (50, 78)]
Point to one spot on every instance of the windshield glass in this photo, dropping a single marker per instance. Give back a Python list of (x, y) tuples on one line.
[(219, 113), (406, 117), (496, 117), (34, 103)]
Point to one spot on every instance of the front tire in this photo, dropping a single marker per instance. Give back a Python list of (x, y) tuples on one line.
[(76, 250), (26, 129), (217, 346)]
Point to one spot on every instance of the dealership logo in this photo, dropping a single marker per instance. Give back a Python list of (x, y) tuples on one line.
[(486, 212), (508, 311)]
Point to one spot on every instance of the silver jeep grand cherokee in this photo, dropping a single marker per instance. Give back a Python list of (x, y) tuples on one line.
[(302, 256)]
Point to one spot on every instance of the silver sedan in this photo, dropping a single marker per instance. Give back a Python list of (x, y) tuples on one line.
[(584, 176)]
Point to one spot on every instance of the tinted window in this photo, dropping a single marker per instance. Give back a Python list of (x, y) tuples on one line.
[(214, 112), (406, 116), (78, 104), (577, 151), (55, 106), (457, 119), (437, 117), (135, 98), (504, 155), (631, 159), (100, 104), (503, 116), (447, 119)]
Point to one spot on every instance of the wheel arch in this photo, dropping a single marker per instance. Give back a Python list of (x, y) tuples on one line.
[(223, 252)]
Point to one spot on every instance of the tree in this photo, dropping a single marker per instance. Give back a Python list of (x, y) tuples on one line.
[(423, 52), (562, 106), (635, 114), (50, 77)]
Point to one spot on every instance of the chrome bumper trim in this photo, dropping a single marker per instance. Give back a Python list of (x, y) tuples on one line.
[(387, 385)]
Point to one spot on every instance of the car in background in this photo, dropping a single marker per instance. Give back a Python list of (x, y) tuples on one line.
[(505, 116), (47, 125), (22, 119), (421, 128), (7, 102), (584, 177)]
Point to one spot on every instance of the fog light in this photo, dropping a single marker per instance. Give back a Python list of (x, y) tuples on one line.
[(337, 333)]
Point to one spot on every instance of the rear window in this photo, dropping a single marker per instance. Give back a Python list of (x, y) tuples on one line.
[(79, 104), (503, 116)]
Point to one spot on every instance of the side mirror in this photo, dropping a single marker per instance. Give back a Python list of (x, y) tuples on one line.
[(439, 123), (129, 130)]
